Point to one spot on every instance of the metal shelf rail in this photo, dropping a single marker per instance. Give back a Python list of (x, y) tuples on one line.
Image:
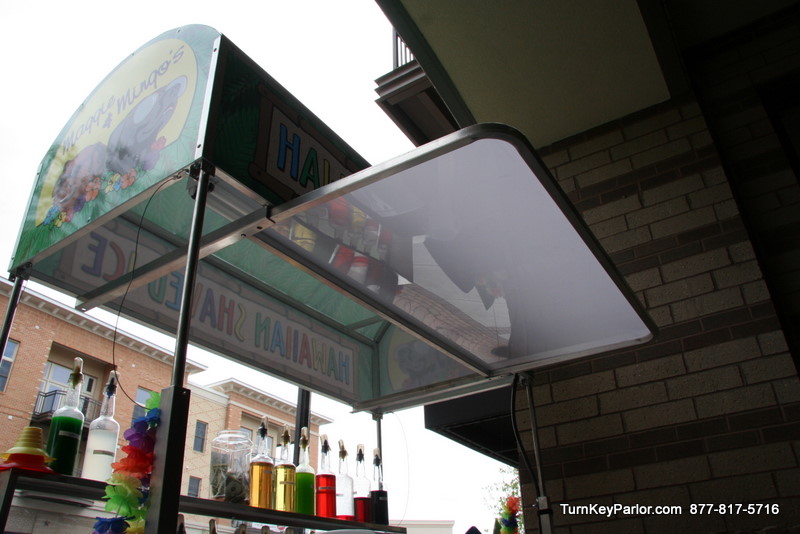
[(20, 479)]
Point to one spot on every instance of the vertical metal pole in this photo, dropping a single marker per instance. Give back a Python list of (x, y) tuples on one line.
[(8, 481), (395, 49), (543, 510), (13, 300), (192, 259), (165, 482), (162, 516), (301, 419), (378, 417)]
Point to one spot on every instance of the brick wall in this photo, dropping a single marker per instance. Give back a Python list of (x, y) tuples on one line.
[(709, 412), (39, 332)]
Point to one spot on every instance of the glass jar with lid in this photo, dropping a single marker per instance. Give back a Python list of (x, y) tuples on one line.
[(230, 464)]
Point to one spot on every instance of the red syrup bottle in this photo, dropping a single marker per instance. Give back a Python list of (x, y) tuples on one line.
[(325, 483), (361, 487)]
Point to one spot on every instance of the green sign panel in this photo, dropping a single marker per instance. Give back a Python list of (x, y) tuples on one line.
[(188, 94), (266, 139), (113, 195), (138, 127)]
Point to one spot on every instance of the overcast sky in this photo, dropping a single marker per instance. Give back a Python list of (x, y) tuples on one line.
[(328, 55)]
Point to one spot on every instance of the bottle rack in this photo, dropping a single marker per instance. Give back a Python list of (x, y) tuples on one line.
[(20, 479)]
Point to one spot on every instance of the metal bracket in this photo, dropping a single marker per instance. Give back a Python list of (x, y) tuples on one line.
[(196, 168), (23, 272)]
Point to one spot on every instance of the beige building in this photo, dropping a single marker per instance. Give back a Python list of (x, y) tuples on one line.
[(234, 405)]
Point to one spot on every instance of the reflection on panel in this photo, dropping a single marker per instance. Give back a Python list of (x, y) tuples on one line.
[(472, 249)]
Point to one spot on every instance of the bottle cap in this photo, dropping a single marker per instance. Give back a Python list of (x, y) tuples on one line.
[(262, 428), (111, 385), (76, 376)]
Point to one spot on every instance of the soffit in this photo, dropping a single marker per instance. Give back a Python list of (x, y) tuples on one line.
[(529, 64)]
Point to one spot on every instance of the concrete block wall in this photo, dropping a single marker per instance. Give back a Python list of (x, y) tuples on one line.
[(709, 412)]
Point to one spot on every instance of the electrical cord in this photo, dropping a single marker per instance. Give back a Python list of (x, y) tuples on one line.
[(408, 465), (128, 288), (531, 471)]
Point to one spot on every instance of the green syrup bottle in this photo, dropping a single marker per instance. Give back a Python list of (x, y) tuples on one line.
[(305, 478), (66, 427)]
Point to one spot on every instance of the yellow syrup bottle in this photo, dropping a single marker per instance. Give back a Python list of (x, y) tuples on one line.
[(285, 478), (261, 468)]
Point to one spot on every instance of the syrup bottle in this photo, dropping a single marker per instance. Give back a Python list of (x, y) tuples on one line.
[(325, 482), (261, 470), (361, 486), (344, 488), (285, 478), (101, 442), (66, 427), (305, 478), (378, 495)]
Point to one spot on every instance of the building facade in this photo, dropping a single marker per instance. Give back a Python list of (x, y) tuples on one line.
[(45, 338)]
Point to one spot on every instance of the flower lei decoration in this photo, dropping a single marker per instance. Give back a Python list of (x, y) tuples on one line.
[(128, 488), (508, 515)]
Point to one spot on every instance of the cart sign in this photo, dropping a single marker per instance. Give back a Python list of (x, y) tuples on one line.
[(139, 126), (228, 316), (105, 202), (188, 94), (435, 274), (268, 141)]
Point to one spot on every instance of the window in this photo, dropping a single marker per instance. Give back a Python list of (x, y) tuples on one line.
[(194, 487), (55, 382), (8, 360), (249, 425), (200, 429), (56, 377), (88, 384), (142, 395)]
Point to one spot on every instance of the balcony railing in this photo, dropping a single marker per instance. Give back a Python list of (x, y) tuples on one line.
[(47, 403), (402, 54)]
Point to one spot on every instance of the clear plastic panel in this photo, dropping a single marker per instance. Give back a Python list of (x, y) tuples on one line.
[(471, 249)]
